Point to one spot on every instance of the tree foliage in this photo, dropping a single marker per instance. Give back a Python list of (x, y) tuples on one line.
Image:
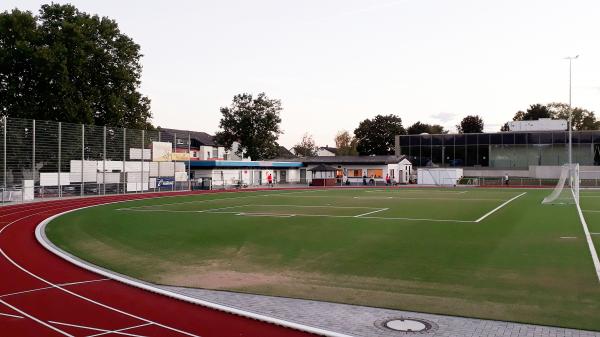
[(582, 119), (306, 147), (419, 128), (345, 144), (254, 123), (66, 65), (470, 124), (376, 136)]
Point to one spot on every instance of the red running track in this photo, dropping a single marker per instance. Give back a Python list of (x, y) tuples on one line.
[(44, 295)]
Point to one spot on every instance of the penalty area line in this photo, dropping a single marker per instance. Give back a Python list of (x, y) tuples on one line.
[(499, 207), (379, 210)]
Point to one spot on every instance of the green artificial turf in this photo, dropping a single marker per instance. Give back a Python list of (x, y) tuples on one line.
[(415, 249)]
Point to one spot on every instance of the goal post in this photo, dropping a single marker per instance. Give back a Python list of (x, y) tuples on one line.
[(567, 189)]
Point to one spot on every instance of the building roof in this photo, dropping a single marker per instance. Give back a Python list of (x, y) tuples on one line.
[(330, 149), (323, 168), (283, 152), (372, 160), (202, 137)]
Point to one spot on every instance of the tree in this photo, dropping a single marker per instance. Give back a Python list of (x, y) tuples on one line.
[(470, 124), (345, 144), (306, 147), (419, 128), (535, 112), (254, 123), (376, 136), (582, 119), (66, 65)]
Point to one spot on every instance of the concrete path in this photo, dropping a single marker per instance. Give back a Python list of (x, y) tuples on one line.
[(371, 322)]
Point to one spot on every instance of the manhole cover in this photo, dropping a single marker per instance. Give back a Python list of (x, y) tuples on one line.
[(406, 325)]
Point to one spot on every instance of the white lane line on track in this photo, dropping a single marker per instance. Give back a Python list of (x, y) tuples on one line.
[(103, 331), (70, 206), (499, 207), (379, 210), (45, 288), (37, 320), (119, 330), (9, 315)]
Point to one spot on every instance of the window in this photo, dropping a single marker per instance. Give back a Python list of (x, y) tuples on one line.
[(375, 173), (354, 173)]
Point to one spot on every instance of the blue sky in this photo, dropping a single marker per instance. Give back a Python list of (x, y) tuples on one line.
[(334, 63)]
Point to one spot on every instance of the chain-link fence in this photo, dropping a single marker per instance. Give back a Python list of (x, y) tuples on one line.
[(45, 159)]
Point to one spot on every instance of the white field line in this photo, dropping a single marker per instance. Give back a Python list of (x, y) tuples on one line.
[(212, 200), (119, 330), (3, 253), (499, 207), (414, 191), (592, 211), (341, 216), (274, 215), (589, 240), (594, 233), (379, 210), (104, 331), (45, 288), (431, 198), (37, 320), (11, 316), (317, 206)]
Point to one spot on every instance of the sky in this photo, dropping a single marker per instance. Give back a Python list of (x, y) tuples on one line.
[(334, 63)]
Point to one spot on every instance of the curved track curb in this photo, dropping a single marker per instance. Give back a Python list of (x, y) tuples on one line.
[(40, 234)]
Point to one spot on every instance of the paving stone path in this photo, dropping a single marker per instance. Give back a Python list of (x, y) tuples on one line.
[(362, 321)]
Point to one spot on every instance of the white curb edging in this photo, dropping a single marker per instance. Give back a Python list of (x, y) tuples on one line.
[(45, 242)]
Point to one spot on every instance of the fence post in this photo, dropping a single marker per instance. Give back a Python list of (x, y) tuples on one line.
[(124, 159), (5, 182), (174, 165), (33, 157), (59, 159), (82, 156), (103, 161), (142, 172), (190, 162)]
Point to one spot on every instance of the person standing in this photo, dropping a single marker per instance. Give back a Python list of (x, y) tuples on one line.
[(270, 180), (388, 180), (506, 179)]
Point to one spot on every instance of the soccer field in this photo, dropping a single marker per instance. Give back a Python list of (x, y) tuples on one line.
[(489, 253)]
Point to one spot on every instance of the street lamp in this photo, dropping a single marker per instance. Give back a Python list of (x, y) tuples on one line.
[(570, 58)]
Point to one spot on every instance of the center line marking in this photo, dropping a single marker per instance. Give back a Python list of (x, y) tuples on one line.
[(379, 210)]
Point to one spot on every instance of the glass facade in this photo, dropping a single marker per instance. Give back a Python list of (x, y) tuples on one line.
[(500, 150)]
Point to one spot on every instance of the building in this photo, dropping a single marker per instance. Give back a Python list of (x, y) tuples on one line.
[(326, 151), (502, 150), (353, 169), (202, 145)]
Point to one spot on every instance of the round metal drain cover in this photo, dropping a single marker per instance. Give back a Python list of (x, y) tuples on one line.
[(406, 325)]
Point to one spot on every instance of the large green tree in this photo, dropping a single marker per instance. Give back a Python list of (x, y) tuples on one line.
[(419, 128), (67, 65), (582, 119), (254, 123), (470, 124), (376, 136)]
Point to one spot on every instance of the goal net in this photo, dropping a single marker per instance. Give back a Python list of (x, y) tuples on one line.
[(567, 189)]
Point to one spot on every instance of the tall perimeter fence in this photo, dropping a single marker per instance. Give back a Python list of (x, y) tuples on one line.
[(46, 159)]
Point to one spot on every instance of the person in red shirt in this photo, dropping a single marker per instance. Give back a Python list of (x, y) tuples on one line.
[(388, 181), (270, 180)]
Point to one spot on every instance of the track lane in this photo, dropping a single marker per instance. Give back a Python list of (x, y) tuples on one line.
[(108, 305)]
